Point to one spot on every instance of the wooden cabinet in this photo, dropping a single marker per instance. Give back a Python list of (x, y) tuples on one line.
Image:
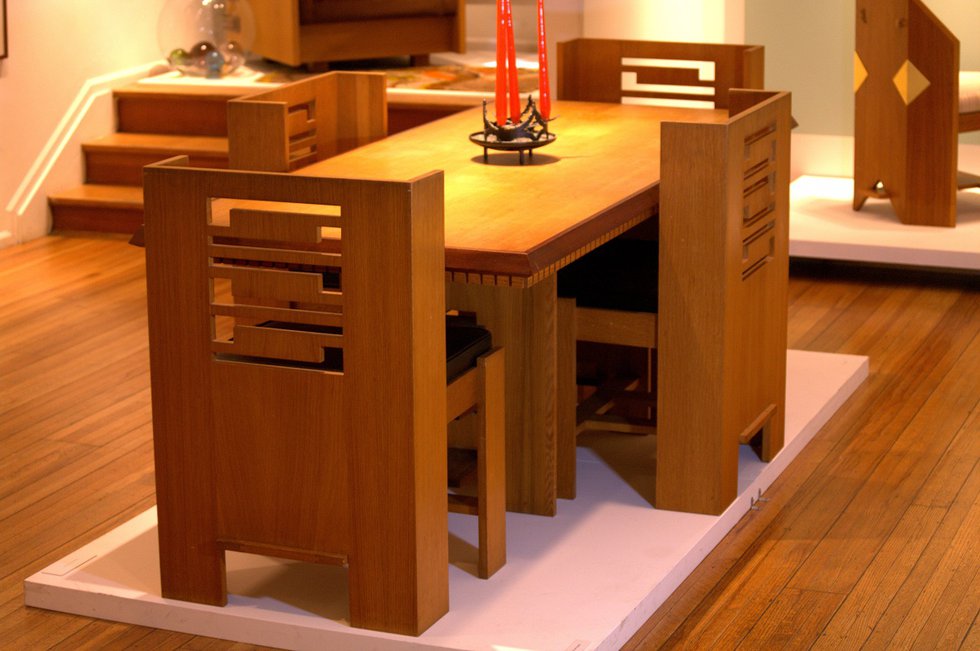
[(299, 32)]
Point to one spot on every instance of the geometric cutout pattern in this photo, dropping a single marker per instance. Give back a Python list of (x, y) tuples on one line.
[(909, 82), (860, 72)]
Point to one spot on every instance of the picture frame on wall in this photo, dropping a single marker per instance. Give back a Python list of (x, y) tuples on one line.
[(3, 29)]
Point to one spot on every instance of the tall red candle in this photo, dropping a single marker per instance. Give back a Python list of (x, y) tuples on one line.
[(512, 88), (500, 87), (544, 103)]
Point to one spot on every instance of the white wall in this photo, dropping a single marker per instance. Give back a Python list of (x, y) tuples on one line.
[(666, 20), (704, 21), (56, 46), (809, 51)]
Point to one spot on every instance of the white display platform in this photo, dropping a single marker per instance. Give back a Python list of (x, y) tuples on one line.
[(823, 225), (585, 579)]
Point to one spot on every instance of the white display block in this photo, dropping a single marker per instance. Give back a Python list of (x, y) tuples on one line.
[(823, 225), (586, 579)]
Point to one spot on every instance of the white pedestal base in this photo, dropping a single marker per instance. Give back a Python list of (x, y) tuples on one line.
[(585, 579), (823, 225)]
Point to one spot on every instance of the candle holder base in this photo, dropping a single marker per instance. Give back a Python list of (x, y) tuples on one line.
[(525, 136), (520, 145)]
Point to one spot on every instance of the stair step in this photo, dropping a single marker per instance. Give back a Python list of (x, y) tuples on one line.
[(95, 207), (118, 159), (193, 110)]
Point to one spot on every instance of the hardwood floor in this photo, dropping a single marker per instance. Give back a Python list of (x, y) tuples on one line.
[(869, 538)]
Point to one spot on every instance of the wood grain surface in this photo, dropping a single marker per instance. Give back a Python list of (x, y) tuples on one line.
[(599, 176)]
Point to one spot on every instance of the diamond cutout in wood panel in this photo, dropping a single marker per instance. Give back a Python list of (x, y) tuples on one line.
[(909, 82)]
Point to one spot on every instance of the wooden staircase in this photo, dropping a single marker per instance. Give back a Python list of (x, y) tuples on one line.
[(156, 122), (152, 124)]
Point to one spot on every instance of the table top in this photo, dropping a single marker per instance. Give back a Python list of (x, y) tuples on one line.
[(512, 224)]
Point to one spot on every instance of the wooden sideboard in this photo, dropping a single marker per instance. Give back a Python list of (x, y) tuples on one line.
[(296, 32)]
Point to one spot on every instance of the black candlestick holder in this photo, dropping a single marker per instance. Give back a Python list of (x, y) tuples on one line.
[(527, 135)]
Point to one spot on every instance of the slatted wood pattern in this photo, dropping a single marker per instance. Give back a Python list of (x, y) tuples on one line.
[(305, 121), (270, 276), (606, 70)]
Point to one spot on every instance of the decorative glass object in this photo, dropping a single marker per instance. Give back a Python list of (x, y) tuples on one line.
[(206, 38)]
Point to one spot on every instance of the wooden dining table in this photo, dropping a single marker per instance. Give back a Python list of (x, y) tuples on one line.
[(510, 227)]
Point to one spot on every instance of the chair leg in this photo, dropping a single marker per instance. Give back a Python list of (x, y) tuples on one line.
[(491, 463), (566, 399)]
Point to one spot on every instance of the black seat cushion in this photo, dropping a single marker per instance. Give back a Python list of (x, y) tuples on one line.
[(619, 275), (465, 342)]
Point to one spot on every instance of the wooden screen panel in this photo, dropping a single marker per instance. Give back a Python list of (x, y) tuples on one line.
[(906, 111)]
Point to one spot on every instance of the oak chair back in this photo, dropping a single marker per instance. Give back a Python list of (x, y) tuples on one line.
[(717, 320), (724, 239), (305, 121), (271, 351), (698, 74)]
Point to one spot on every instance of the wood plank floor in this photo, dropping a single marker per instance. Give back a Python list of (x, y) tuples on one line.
[(869, 539)]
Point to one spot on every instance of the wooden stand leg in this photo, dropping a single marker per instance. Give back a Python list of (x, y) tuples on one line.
[(491, 459), (190, 570)]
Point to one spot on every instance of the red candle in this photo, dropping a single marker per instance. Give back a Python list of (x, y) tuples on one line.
[(512, 91), (500, 102), (543, 89)]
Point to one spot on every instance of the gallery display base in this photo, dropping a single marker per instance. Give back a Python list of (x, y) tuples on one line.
[(585, 579), (823, 225)]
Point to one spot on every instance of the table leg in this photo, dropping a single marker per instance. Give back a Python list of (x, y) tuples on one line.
[(523, 322)]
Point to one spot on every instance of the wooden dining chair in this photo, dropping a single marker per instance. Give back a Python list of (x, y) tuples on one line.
[(710, 297), (302, 122), (910, 104), (305, 121), (298, 348), (609, 70)]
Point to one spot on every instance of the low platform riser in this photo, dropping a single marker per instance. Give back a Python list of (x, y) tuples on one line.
[(126, 168), (108, 219)]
